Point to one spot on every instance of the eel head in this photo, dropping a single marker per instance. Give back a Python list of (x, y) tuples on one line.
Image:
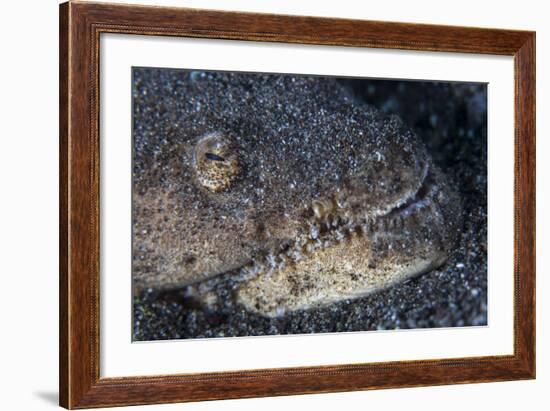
[(302, 194)]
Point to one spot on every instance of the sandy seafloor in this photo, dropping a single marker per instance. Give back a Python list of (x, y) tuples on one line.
[(451, 119)]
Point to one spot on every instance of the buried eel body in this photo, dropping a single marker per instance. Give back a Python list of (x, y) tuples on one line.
[(284, 189)]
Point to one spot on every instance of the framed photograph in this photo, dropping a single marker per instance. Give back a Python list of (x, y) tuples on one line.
[(259, 205)]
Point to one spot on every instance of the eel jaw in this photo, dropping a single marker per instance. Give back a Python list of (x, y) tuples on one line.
[(331, 221), (341, 255)]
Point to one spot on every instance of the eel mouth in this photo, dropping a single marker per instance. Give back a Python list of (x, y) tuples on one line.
[(334, 219)]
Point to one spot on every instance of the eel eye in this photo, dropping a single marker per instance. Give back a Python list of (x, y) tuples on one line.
[(216, 162)]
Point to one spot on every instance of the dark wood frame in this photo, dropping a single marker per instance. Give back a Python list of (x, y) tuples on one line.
[(80, 27)]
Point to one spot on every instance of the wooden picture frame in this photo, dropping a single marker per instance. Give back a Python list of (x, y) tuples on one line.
[(81, 24)]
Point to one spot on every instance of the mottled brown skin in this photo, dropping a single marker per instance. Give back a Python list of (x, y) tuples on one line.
[(305, 194)]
